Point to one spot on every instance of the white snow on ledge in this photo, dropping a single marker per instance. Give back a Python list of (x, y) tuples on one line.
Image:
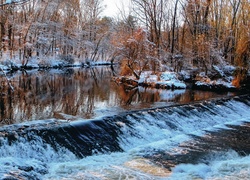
[(170, 78), (206, 81), (219, 82), (165, 78)]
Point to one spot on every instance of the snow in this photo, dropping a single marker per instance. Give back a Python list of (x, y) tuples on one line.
[(44, 62), (204, 81), (166, 79), (170, 78), (160, 80), (185, 75), (97, 63), (214, 83), (218, 70), (147, 77), (4, 67)]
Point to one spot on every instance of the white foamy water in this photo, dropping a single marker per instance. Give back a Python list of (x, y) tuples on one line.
[(224, 166), (228, 165)]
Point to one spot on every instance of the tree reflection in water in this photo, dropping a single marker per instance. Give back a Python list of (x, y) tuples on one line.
[(79, 94), (138, 98), (37, 95)]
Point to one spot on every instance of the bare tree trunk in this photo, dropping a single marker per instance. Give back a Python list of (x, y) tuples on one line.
[(235, 5), (173, 31)]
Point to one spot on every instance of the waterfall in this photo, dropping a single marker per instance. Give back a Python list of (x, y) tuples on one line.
[(165, 137)]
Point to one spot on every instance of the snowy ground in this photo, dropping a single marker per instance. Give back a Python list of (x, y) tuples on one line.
[(166, 80), (223, 81), (53, 62), (172, 80)]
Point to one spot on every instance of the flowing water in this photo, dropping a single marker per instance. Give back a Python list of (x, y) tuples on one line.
[(149, 135)]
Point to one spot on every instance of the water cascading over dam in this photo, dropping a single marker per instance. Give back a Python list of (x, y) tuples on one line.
[(161, 143)]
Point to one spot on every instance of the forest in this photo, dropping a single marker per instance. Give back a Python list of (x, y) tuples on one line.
[(199, 36)]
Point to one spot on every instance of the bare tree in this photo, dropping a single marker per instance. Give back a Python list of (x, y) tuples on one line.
[(150, 13)]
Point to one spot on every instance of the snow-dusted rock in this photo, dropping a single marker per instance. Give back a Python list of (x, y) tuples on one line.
[(170, 79), (205, 83), (165, 80)]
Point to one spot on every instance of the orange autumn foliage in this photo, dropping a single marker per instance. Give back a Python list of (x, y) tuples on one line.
[(242, 61)]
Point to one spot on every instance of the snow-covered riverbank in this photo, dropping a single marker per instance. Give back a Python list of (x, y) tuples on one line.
[(221, 79)]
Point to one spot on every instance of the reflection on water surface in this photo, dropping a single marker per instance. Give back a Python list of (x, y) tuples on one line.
[(79, 94)]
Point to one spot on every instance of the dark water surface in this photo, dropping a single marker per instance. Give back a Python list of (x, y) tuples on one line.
[(80, 93)]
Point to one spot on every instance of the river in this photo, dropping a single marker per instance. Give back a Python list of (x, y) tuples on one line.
[(81, 93), (79, 124)]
